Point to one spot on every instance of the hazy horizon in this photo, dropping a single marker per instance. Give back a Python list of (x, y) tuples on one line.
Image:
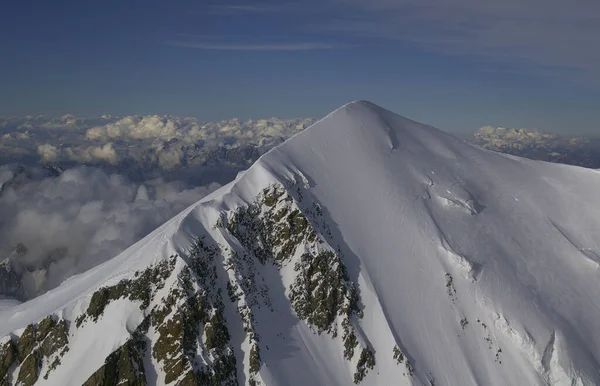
[(457, 66)]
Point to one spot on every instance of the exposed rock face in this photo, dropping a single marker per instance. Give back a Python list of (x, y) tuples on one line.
[(8, 357), (125, 366), (39, 344), (186, 329), (275, 229), (11, 278), (10, 281), (22, 280)]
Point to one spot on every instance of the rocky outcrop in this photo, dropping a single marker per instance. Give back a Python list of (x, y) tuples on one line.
[(44, 342)]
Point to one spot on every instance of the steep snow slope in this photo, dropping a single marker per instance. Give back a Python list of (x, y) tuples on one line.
[(368, 248)]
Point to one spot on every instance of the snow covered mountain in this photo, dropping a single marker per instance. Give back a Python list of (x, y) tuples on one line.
[(367, 249)]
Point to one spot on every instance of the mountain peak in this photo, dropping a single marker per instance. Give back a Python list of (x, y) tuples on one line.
[(364, 129), (367, 249), (360, 103), (358, 110)]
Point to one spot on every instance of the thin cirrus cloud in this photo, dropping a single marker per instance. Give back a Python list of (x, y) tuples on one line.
[(546, 38), (258, 8), (548, 34), (307, 46), (229, 9)]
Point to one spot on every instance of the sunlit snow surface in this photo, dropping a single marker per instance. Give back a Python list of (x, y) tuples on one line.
[(410, 206)]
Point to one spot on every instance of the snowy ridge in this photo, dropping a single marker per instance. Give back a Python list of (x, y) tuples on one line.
[(368, 248)]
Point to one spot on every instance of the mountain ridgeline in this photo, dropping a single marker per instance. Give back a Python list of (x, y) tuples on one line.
[(368, 249), (183, 301)]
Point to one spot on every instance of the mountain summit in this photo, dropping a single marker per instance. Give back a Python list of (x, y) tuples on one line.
[(367, 249)]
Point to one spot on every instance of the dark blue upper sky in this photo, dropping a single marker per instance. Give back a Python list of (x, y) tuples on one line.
[(455, 64)]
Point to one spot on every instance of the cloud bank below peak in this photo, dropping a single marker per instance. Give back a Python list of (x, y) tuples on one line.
[(81, 218), (142, 146)]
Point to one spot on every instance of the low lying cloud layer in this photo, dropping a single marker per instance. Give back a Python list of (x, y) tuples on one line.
[(75, 221)]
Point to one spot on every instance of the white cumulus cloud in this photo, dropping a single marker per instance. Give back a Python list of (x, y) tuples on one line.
[(48, 153), (93, 154)]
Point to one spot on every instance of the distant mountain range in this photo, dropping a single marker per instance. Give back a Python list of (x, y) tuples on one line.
[(144, 147), (533, 144)]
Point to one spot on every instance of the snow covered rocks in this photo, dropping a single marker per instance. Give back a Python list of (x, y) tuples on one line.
[(367, 249)]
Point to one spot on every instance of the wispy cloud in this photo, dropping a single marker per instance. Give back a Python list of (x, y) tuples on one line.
[(555, 37), (229, 9), (544, 33), (307, 46), (243, 8)]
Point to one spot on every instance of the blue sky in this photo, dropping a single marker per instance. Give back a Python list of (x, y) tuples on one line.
[(457, 64)]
